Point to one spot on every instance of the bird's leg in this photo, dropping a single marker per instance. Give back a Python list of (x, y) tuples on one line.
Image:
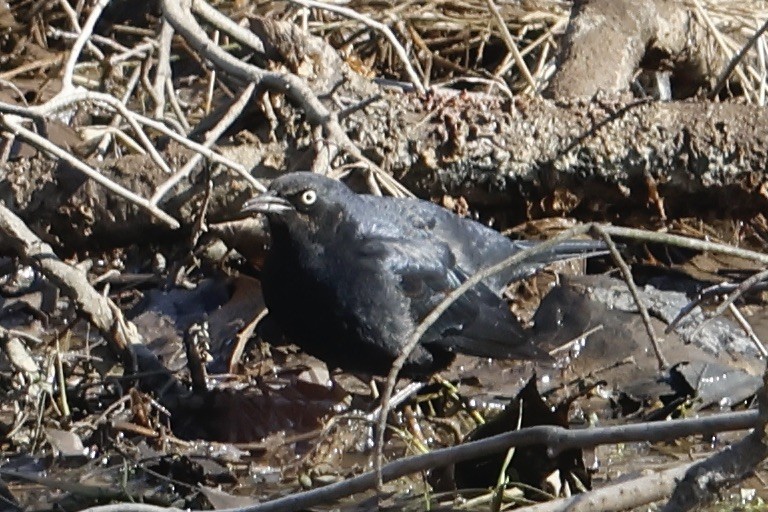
[(398, 398), (456, 395)]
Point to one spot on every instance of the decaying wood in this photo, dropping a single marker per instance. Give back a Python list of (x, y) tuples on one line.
[(531, 157), (602, 158)]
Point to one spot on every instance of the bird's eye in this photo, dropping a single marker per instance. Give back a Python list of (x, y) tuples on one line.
[(308, 197)]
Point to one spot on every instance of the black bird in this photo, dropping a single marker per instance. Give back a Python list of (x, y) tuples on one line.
[(349, 277)]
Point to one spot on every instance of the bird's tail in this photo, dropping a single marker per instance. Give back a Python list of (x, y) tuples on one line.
[(568, 250)]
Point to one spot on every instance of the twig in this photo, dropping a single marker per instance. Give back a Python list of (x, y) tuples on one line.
[(557, 438), (174, 101), (64, 101), (139, 51), (627, 275), (177, 13), (32, 66), (18, 355), (381, 27), (211, 80), (100, 311), (628, 494), (511, 46), (726, 73), (738, 292), (704, 16), (77, 48), (45, 145), (727, 467), (685, 242), (751, 334), (213, 135), (705, 294), (163, 68), (68, 97), (223, 23), (637, 234), (129, 88)]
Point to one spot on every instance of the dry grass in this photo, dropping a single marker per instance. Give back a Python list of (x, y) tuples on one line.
[(449, 40)]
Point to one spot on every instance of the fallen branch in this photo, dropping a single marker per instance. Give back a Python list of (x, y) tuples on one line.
[(99, 310), (557, 438), (704, 479), (625, 495)]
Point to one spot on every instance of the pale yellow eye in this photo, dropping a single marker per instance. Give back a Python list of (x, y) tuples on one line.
[(308, 197)]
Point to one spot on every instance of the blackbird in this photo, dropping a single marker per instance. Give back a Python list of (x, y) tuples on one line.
[(348, 277)]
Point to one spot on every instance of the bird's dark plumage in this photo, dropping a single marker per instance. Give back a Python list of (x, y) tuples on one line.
[(349, 277)]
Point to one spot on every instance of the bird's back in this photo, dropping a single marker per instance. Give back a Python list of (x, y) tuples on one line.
[(474, 245)]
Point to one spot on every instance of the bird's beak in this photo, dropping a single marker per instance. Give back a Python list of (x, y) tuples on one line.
[(267, 203)]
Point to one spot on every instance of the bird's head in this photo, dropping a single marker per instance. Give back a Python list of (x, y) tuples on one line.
[(302, 201)]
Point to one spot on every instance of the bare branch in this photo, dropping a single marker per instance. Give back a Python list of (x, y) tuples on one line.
[(381, 27), (45, 145)]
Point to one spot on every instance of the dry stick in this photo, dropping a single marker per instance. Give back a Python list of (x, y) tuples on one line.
[(211, 79), (134, 507), (289, 84), (376, 25), (115, 122), (707, 293), (751, 334), (726, 73), (64, 101), (685, 242), (71, 14), (738, 292), (32, 66), (444, 85), (511, 46), (77, 48), (627, 274), (163, 67), (688, 243), (557, 438), (45, 145), (703, 295), (624, 495), (100, 311), (68, 97), (18, 355), (225, 24), (704, 16), (431, 318), (176, 107), (637, 234), (140, 51), (727, 467), (295, 88), (761, 55), (82, 39), (211, 137)]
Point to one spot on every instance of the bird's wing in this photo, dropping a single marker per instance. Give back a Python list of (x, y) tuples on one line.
[(474, 245), (478, 323)]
